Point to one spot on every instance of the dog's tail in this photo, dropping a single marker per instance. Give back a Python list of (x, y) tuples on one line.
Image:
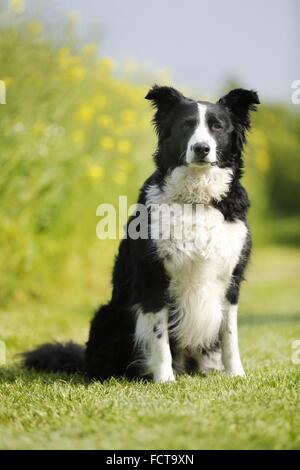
[(56, 357)]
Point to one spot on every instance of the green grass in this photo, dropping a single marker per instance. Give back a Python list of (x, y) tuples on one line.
[(261, 411)]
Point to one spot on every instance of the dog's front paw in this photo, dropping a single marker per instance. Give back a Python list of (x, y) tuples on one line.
[(164, 376), (236, 372)]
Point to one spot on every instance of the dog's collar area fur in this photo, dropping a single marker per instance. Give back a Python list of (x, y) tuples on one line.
[(196, 185)]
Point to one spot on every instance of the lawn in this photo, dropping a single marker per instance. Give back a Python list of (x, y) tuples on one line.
[(216, 412)]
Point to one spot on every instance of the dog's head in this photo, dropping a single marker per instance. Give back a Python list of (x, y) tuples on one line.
[(199, 133)]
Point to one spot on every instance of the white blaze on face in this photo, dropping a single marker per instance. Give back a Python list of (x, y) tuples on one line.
[(202, 135)]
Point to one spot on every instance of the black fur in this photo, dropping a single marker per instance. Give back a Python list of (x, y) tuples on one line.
[(139, 276)]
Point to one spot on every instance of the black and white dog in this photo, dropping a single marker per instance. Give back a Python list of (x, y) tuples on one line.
[(174, 302)]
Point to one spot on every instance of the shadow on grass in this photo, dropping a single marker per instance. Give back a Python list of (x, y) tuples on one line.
[(11, 374), (16, 373), (271, 319)]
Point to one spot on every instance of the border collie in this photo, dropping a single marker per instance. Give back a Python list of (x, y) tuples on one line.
[(175, 299)]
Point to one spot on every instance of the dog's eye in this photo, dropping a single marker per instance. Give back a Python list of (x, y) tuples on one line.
[(216, 126), (190, 123)]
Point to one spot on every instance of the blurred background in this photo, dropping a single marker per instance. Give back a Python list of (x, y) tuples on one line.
[(76, 132)]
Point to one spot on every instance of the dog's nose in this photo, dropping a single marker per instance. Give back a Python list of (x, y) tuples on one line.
[(201, 150)]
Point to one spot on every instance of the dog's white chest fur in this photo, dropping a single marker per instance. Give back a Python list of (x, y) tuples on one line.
[(200, 250)]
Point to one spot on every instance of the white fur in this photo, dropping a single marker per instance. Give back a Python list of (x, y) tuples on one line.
[(201, 263), (230, 345), (151, 334), (192, 185), (202, 135)]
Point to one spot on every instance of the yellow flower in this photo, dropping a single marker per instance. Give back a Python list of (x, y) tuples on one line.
[(105, 121), (35, 28), (120, 178), (107, 64), (18, 6), (107, 143), (78, 136), (128, 116), (90, 49), (95, 172), (7, 81), (77, 73), (86, 113), (63, 56), (124, 146)]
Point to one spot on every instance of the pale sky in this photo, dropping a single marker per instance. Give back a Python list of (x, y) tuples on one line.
[(201, 42)]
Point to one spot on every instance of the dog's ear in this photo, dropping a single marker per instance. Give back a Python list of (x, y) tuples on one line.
[(240, 102), (163, 96)]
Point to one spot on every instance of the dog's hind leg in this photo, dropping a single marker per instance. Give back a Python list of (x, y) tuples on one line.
[(110, 348), (152, 337)]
